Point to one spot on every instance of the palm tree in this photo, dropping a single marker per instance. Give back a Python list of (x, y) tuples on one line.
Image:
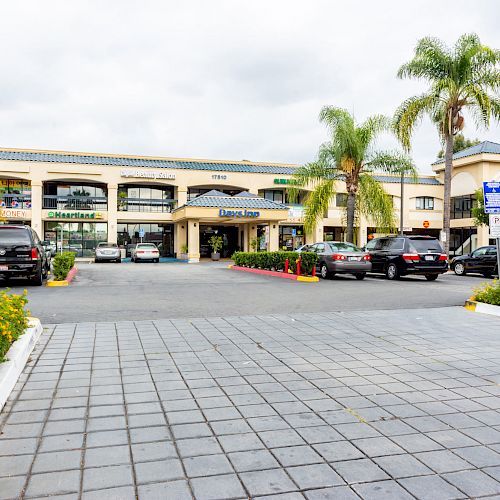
[(459, 79), (350, 157)]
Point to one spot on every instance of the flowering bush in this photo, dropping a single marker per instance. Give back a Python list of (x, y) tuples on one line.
[(13, 319), (489, 293)]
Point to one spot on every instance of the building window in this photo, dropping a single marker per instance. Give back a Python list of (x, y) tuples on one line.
[(425, 203), (275, 195), (461, 206), (341, 200)]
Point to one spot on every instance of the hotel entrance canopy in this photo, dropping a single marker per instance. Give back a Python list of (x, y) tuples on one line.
[(222, 208)]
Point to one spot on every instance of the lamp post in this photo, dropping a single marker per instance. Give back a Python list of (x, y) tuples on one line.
[(401, 204)]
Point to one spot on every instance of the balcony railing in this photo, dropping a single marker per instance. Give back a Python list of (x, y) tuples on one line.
[(146, 205), (75, 202), (15, 201)]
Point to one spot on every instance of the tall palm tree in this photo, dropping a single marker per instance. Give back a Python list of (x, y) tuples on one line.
[(465, 77), (350, 157)]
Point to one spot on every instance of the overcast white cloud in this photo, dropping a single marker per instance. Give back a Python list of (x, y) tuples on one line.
[(215, 79)]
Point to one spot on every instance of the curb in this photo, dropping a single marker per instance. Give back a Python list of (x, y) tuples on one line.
[(480, 307), (276, 274), (17, 356), (69, 278)]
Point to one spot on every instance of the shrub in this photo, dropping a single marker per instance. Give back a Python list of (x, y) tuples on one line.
[(276, 260), (61, 265), (489, 293), (13, 319)]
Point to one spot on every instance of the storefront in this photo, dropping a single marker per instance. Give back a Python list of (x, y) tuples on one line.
[(291, 237), (162, 235), (78, 237)]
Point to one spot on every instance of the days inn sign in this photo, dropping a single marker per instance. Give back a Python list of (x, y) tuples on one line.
[(238, 213)]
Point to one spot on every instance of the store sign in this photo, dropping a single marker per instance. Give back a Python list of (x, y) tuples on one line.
[(295, 214), (148, 174), (14, 213), (284, 181), (238, 213), (491, 197), (74, 215), (426, 224)]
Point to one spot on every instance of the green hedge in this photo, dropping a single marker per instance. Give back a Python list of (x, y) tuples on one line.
[(275, 261), (489, 293), (61, 265)]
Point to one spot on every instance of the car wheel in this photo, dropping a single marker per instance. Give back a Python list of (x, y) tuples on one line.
[(37, 278), (323, 271), (157, 260), (392, 272), (360, 276), (119, 261), (459, 269), (431, 277)]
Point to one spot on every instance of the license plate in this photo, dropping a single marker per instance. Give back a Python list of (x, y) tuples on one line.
[(4, 268), (353, 258), (429, 257)]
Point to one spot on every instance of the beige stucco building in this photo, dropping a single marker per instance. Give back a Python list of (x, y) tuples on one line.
[(79, 199)]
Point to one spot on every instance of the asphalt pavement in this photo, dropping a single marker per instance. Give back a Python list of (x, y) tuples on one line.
[(127, 291)]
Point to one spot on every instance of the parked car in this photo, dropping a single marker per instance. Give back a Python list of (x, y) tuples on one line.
[(483, 260), (145, 251), (22, 254), (342, 258), (404, 255), (303, 248), (107, 252)]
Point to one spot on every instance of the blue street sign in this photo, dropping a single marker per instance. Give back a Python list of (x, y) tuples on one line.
[(141, 233), (491, 197), (294, 232)]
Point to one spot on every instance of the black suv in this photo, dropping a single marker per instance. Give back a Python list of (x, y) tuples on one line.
[(22, 254), (483, 260), (397, 256)]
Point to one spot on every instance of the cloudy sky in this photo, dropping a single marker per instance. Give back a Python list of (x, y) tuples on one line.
[(223, 79)]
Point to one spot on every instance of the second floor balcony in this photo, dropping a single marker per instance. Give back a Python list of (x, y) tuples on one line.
[(11, 200), (57, 202), (146, 205)]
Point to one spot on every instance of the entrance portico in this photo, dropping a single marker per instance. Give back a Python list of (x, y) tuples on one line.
[(245, 211)]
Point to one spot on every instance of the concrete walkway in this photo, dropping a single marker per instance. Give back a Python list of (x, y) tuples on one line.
[(377, 405)]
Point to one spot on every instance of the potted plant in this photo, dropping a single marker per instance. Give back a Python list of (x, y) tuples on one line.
[(216, 243), (184, 252)]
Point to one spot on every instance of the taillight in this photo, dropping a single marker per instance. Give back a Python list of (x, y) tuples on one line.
[(367, 257), (411, 257), (443, 256), (140, 251), (338, 256), (34, 253)]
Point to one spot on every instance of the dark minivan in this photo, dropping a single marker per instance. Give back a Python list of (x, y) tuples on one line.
[(22, 254), (397, 256)]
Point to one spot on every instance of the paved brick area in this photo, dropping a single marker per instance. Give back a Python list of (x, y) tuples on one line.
[(377, 405)]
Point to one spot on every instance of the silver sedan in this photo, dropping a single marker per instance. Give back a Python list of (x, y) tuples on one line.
[(107, 252)]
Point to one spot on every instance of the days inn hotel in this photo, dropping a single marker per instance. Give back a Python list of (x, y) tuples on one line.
[(79, 199)]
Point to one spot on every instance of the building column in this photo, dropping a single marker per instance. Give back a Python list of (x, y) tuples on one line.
[(246, 240), (362, 231), (252, 235), (483, 236), (182, 196), (193, 240), (180, 237), (315, 235), (112, 213), (274, 237), (36, 208)]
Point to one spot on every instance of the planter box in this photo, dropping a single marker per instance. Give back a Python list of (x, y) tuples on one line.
[(276, 274), (67, 281), (16, 357), (480, 307)]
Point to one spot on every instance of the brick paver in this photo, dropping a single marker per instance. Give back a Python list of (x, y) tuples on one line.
[(385, 404)]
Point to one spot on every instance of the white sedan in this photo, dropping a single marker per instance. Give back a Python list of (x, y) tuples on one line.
[(145, 251)]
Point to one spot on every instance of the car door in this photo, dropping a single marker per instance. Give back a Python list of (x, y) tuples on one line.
[(321, 251), (378, 258), (490, 260), (476, 263)]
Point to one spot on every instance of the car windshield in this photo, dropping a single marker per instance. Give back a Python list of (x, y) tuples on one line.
[(426, 245), (150, 246), (344, 247), (107, 245), (14, 236)]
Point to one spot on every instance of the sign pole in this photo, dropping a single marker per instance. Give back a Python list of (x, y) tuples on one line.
[(498, 257), (491, 192)]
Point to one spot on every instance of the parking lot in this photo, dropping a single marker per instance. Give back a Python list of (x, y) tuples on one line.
[(128, 291)]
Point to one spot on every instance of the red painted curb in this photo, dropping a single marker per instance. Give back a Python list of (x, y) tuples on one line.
[(71, 274), (277, 274)]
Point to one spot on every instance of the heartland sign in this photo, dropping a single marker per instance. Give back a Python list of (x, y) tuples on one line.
[(147, 174)]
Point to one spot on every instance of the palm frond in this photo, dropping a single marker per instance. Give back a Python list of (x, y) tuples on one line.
[(392, 162), (310, 175), (368, 131), (373, 202), (317, 203)]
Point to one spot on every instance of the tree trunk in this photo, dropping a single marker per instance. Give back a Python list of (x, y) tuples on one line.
[(351, 208), (448, 168)]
